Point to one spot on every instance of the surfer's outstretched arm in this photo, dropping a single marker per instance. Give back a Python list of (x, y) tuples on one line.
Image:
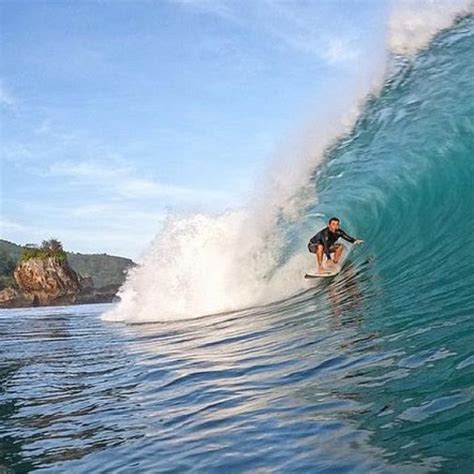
[(350, 239), (346, 237)]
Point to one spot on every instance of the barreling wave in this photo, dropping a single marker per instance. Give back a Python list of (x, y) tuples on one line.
[(399, 175)]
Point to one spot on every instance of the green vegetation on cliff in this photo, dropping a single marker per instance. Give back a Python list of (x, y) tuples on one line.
[(104, 269), (49, 249)]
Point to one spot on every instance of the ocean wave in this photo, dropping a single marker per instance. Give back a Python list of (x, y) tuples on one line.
[(397, 170)]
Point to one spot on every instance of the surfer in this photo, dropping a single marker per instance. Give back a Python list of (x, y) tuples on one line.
[(324, 242)]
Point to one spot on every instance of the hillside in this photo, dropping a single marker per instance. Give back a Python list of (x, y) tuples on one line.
[(104, 269)]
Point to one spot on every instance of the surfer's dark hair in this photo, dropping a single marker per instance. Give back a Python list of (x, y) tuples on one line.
[(334, 219)]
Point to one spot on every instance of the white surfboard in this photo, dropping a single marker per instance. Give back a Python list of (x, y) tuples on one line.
[(333, 270)]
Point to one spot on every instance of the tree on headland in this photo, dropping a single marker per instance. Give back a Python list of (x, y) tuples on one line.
[(51, 248), (53, 245)]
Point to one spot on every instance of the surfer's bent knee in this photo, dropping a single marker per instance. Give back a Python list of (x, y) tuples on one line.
[(314, 248)]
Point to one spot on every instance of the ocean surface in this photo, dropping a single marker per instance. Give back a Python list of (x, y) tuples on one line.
[(372, 371)]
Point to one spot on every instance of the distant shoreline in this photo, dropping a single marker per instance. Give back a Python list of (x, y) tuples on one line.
[(59, 305)]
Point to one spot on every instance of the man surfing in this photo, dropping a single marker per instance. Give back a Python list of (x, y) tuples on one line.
[(324, 242)]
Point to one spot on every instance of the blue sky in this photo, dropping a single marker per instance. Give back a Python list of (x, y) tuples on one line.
[(114, 114)]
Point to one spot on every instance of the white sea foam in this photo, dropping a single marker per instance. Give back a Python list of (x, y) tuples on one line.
[(414, 23), (207, 264)]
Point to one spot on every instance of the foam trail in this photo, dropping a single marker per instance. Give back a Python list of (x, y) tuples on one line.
[(207, 264)]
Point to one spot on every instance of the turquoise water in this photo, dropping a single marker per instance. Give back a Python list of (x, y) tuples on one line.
[(369, 372)]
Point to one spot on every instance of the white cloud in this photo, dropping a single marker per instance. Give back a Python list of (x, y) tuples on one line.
[(121, 180), (17, 153), (339, 50), (301, 29), (220, 8), (113, 227), (413, 24), (86, 169), (45, 127), (126, 211), (40, 146), (106, 204), (7, 225), (6, 97)]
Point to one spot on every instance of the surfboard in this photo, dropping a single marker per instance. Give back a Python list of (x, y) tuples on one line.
[(330, 271), (324, 274)]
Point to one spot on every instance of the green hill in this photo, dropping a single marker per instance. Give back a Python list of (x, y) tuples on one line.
[(104, 269), (9, 255), (10, 249)]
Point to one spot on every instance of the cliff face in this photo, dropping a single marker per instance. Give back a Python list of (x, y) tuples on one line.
[(12, 298), (47, 275), (47, 281)]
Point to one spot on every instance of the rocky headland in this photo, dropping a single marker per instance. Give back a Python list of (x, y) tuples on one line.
[(43, 277)]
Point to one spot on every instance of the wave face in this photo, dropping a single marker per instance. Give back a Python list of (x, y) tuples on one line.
[(402, 180)]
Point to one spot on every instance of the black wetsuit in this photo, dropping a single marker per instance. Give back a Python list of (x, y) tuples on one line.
[(327, 239)]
